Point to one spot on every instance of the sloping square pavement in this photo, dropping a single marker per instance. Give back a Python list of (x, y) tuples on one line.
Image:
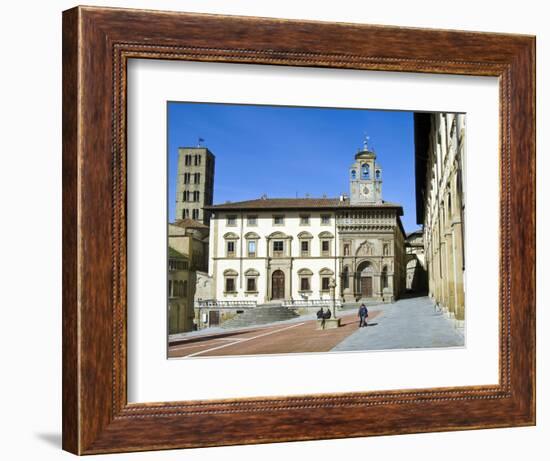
[(408, 323)]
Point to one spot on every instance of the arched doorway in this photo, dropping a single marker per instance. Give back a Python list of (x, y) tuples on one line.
[(365, 274), (278, 284)]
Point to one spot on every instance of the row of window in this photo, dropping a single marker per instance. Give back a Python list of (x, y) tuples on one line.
[(177, 288), (278, 220), (194, 213), (278, 248), (189, 158), (177, 265), (187, 178), (191, 196), (251, 277)]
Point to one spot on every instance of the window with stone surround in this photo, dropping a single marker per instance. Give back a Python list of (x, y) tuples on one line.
[(252, 280), (230, 244), (325, 219), (230, 248), (305, 280), (278, 220), (304, 239), (325, 239), (325, 275), (278, 248), (231, 220), (230, 280)]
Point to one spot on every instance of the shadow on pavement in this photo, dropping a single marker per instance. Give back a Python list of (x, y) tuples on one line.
[(208, 337)]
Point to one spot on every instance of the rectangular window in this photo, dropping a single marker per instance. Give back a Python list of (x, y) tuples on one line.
[(230, 248), (252, 220), (278, 248), (232, 220), (278, 220), (251, 284), (304, 220), (325, 282), (195, 214), (304, 284), (230, 285), (197, 178), (325, 247), (304, 248), (325, 219), (252, 248)]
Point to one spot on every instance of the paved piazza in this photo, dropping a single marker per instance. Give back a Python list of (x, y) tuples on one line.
[(408, 323)]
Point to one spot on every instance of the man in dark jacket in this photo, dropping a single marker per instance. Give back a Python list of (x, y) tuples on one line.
[(363, 314)]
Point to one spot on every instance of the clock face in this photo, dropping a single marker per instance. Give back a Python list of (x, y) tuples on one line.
[(365, 190)]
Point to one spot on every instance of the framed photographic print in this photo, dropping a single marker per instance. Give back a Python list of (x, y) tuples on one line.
[(284, 230)]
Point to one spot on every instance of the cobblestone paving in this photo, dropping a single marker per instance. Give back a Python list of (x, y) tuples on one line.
[(409, 323)]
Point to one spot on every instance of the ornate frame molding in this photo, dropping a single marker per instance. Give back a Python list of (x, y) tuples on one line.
[(97, 44)]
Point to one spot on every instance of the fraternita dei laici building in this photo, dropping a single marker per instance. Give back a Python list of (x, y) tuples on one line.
[(276, 249)]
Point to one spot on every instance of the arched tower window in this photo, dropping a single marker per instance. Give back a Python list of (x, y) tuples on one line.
[(365, 171), (353, 174), (377, 174)]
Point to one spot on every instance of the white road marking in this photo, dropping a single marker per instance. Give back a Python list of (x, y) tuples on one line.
[(177, 348), (244, 340)]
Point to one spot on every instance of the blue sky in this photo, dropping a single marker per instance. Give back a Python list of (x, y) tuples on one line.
[(293, 151)]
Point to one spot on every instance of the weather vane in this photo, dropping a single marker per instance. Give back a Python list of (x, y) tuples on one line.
[(365, 142)]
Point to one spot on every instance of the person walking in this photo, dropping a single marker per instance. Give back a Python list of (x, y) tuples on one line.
[(363, 314)]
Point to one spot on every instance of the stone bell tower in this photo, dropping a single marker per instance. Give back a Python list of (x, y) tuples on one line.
[(365, 177)]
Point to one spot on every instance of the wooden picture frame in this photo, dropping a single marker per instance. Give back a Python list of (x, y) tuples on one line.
[(97, 43)]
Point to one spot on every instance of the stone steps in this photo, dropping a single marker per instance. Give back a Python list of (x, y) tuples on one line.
[(260, 315)]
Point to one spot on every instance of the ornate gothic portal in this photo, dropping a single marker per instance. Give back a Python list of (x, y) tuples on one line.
[(365, 276)]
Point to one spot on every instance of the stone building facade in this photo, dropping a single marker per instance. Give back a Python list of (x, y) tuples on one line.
[(290, 249), (439, 159), (195, 183), (187, 257), (181, 282), (417, 276)]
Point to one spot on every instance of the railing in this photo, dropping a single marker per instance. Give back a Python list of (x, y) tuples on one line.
[(311, 303), (214, 304)]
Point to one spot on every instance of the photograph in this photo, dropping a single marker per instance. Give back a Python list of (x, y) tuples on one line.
[(297, 230)]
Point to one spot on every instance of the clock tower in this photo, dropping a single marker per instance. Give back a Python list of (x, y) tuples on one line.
[(365, 177)]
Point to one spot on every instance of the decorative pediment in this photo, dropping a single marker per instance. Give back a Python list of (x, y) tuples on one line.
[(278, 235), (230, 236), (326, 235), (326, 271), (365, 249), (305, 271), (305, 235), (252, 273), (230, 273), (251, 236)]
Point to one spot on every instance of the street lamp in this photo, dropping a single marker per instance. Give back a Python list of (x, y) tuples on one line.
[(332, 287)]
